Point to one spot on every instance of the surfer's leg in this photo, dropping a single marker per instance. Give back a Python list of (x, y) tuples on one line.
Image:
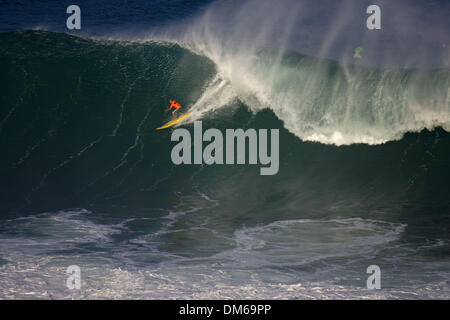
[(175, 113)]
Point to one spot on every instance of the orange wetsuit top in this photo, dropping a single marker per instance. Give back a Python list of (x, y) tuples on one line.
[(174, 104)]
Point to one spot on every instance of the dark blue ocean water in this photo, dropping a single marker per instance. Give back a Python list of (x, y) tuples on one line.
[(86, 179), (97, 15)]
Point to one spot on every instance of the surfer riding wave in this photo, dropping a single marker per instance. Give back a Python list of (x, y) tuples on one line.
[(176, 106)]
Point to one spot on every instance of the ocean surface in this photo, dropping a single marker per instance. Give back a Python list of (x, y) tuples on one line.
[(86, 179)]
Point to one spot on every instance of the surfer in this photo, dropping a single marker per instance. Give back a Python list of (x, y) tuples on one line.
[(176, 106)]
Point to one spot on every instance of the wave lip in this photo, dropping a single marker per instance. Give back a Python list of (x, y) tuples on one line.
[(329, 103), (317, 99)]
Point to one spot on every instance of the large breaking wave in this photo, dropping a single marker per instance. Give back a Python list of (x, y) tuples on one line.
[(77, 122)]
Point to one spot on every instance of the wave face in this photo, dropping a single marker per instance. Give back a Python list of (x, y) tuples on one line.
[(83, 112), (77, 130)]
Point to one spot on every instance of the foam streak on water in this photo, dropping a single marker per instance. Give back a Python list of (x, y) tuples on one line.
[(294, 259)]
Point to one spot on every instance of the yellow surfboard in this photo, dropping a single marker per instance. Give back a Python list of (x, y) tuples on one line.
[(173, 122)]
